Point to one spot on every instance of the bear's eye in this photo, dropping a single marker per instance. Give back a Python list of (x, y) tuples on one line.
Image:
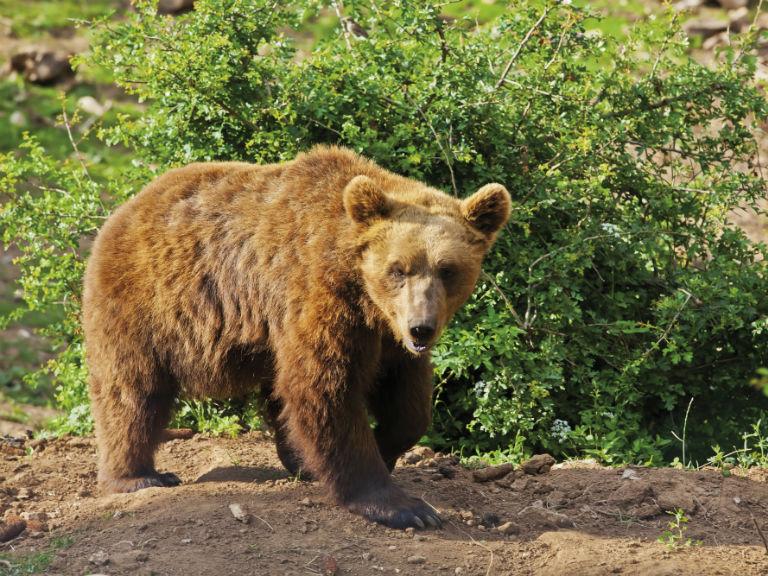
[(397, 272), (446, 273)]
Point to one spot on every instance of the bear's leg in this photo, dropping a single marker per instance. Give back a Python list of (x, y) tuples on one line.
[(129, 423), (290, 458), (402, 406), (321, 388)]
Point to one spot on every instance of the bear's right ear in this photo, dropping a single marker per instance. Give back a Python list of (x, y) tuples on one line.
[(364, 201)]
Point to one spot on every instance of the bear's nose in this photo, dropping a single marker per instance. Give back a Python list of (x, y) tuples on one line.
[(422, 332)]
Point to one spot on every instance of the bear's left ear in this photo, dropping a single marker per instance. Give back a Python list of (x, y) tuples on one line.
[(487, 209), (364, 201)]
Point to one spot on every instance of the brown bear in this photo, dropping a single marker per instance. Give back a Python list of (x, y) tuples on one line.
[(323, 281)]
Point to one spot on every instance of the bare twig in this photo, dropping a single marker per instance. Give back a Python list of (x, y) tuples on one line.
[(337, 7), (78, 154), (447, 158), (760, 532), (265, 522), (664, 45), (508, 304), (520, 47)]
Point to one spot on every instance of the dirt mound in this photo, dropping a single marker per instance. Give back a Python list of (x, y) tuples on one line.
[(574, 519)]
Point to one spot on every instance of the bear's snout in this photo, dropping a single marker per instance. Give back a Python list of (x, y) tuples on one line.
[(422, 333)]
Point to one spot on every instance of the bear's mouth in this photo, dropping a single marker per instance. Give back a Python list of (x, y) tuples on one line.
[(416, 348)]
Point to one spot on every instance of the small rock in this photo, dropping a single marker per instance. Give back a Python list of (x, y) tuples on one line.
[(714, 41), (410, 531), (736, 500), (42, 66), (508, 528), (492, 472), (76, 442), (417, 454), (24, 494), (471, 522), (705, 27), (239, 514), (17, 118), (739, 19), (175, 6), (458, 570), (416, 559), (733, 4), (465, 514), (305, 502), (90, 105), (629, 474), (118, 514), (367, 556), (186, 540), (538, 515), (539, 464), (688, 4), (99, 558)]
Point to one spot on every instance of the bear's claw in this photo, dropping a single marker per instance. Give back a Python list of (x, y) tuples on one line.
[(169, 479), (393, 508), (156, 480)]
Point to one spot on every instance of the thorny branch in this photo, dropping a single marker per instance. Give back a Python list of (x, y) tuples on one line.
[(520, 47)]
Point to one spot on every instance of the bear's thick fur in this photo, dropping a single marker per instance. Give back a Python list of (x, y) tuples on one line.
[(322, 281)]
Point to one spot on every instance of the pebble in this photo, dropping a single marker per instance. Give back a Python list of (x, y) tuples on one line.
[(416, 559), (186, 540), (508, 528), (99, 558), (629, 474), (239, 514)]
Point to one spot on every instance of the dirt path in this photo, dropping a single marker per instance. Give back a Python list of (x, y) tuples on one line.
[(571, 520)]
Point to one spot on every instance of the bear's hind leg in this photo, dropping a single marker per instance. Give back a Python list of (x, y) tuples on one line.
[(129, 423), (402, 405), (289, 456)]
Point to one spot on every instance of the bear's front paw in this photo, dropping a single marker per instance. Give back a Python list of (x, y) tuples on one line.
[(394, 508)]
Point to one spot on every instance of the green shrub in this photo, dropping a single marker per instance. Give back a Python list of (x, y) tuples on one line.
[(618, 291)]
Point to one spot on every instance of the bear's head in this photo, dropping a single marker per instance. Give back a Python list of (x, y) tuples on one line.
[(421, 250)]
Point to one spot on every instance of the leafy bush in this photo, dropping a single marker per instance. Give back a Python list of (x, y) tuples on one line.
[(618, 291)]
